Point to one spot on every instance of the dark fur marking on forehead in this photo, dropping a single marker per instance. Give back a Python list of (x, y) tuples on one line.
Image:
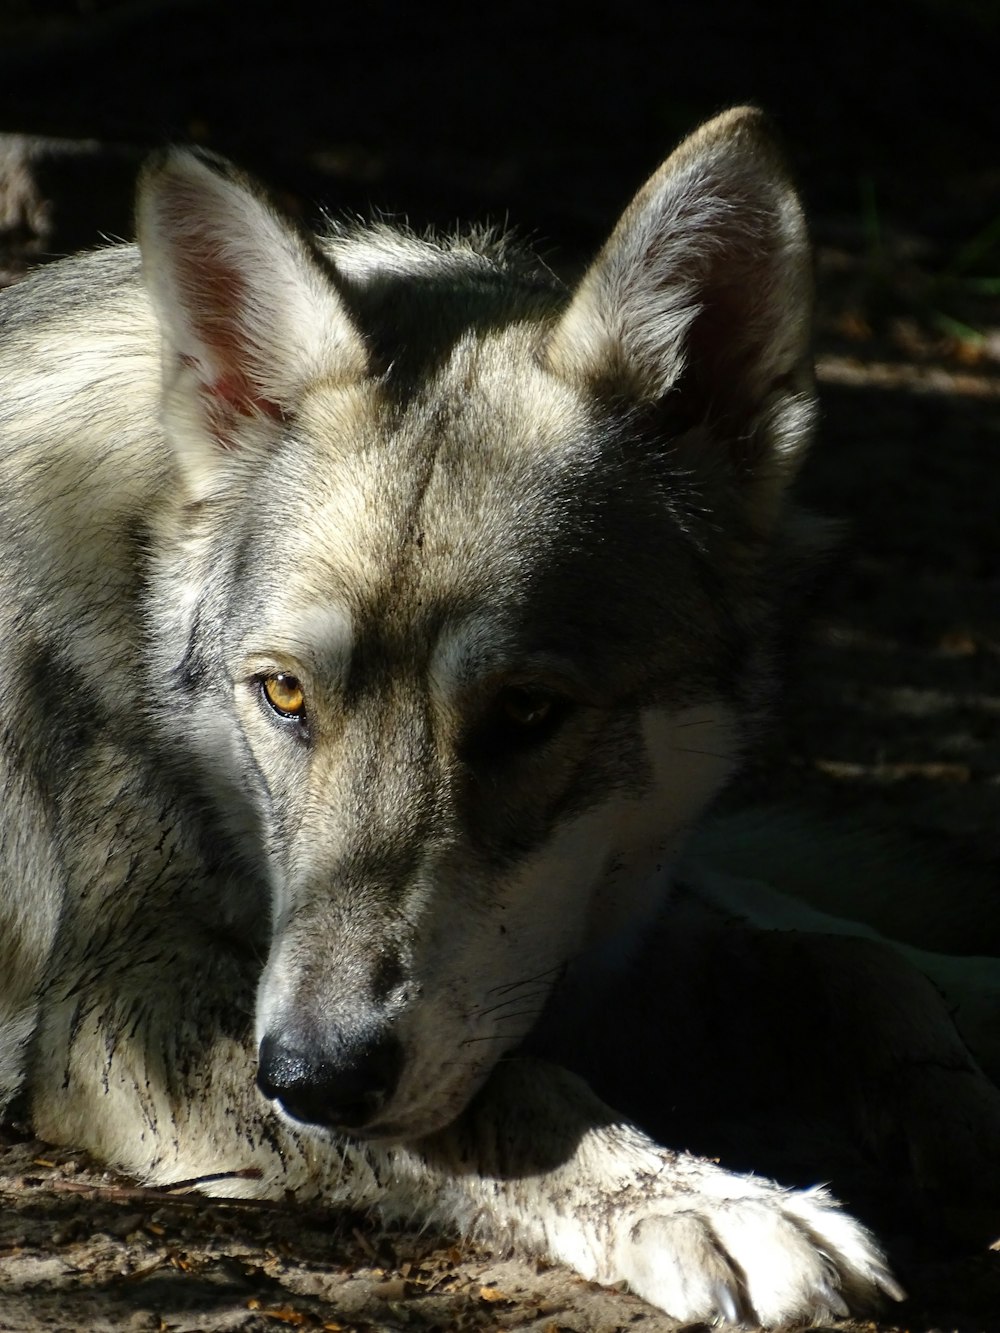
[(418, 302)]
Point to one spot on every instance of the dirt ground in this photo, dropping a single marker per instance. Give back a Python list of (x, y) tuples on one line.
[(893, 705)]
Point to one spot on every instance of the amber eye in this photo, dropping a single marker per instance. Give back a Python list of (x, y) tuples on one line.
[(526, 707), (285, 695)]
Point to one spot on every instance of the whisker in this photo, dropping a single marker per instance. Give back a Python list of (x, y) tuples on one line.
[(531, 1014), (541, 994), (525, 981), (493, 1036)]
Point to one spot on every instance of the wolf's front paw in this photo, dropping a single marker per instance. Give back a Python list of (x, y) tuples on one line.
[(762, 1255)]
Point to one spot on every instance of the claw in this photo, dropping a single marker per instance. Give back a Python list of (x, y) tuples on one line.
[(833, 1301), (727, 1303), (885, 1281)]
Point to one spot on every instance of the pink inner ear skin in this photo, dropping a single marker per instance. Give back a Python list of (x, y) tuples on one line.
[(235, 392)]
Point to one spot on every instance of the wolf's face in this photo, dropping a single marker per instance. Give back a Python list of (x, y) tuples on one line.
[(469, 604)]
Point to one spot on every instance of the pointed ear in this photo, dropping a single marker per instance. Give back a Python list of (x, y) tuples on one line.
[(247, 308), (701, 301)]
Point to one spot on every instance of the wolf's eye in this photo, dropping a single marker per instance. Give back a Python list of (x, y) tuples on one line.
[(525, 707), (285, 695), (518, 720)]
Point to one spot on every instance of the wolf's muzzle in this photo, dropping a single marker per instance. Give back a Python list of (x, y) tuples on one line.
[(340, 1086)]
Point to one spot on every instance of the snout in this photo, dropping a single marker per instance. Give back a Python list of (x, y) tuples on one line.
[(341, 1082)]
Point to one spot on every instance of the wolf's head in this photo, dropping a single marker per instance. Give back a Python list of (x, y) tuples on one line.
[(471, 585)]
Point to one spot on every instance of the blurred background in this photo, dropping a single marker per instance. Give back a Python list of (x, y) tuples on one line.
[(549, 116)]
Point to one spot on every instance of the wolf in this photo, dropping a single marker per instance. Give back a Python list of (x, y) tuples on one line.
[(379, 617)]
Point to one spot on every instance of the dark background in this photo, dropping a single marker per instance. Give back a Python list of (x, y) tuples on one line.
[(551, 112)]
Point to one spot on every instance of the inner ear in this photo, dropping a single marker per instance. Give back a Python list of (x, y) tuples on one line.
[(250, 312), (711, 259), (216, 299), (732, 363)]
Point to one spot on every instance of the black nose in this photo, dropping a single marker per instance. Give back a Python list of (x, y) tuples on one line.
[(342, 1084)]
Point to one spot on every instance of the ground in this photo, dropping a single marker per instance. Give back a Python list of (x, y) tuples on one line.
[(893, 704)]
